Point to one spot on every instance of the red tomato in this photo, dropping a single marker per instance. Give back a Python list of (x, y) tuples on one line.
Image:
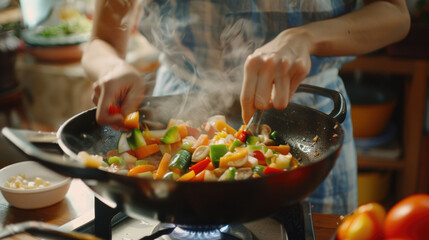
[(375, 210), (365, 223), (409, 218)]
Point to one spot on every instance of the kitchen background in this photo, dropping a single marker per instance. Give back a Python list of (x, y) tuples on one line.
[(42, 85)]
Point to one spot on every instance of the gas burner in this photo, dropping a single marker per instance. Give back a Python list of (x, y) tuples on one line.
[(294, 222), (173, 232)]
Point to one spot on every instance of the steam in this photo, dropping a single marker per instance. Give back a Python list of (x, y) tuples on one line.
[(229, 42)]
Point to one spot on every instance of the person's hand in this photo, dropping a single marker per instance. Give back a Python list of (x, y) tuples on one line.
[(273, 72), (121, 86)]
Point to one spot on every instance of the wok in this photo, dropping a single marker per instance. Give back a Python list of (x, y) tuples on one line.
[(199, 203)]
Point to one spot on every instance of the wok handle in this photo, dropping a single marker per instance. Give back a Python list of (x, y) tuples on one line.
[(340, 106), (57, 162), (43, 230)]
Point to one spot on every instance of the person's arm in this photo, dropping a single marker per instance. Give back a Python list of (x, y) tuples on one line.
[(274, 71), (104, 61)]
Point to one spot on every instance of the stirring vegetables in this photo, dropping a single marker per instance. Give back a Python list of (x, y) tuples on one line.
[(213, 152)]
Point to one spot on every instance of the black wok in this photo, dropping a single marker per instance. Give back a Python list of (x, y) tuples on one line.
[(197, 203)]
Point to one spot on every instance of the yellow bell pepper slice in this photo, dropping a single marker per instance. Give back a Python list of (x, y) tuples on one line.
[(131, 121), (237, 155), (223, 126), (187, 177)]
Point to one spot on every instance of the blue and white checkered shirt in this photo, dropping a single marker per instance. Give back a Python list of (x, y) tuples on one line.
[(204, 44)]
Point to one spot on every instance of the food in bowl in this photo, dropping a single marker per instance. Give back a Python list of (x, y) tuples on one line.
[(215, 151), (21, 182), (32, 198)]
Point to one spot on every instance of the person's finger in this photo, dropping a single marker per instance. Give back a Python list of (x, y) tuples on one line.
[(264, 83), (281, 85), (133, 98), (247, 96), (95, 93), (300, 70), (108, 98)]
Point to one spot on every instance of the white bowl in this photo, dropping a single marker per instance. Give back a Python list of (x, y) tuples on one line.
[(33, 198)]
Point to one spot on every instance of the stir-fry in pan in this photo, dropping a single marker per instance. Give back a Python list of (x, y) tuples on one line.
[(213, 152)]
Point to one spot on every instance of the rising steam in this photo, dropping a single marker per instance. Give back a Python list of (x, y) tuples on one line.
[(171, 30)]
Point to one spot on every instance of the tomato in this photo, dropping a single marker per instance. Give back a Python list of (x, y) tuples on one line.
[(365, 223), (375, 210), (409, 218)]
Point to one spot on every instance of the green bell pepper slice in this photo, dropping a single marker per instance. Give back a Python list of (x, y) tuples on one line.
[(216, 152), (171, 136)]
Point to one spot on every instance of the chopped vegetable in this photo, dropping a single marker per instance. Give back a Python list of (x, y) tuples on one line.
[(113, 110), (260, 156), (146, 150), (171, 136), (283, 149), (188, 142), (259, 169), (228, 175), (123, 143), (274, 136), (216, 152), (116, 159), (236, 158), (163, 166), (241, 135), (271, 170), (141, 162), (200, 166), (171, 176), (199, 177), (187, 177), (200, 153), (252, 140), (135, 139), (147, 174), (235, 143), (140, 169), (180, 161), (223, 126), (203, 140), (131, 121), (183, 131)]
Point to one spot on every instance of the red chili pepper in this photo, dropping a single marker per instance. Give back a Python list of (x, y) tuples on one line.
[(113, 110), (241, 135), (270, 170), (200, 166), (260, 156)]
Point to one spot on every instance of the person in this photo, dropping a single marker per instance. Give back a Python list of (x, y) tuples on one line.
[(265, 49)]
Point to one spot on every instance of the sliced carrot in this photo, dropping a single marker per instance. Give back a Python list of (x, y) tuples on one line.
[(187, 177), (203, 140), (283, 149), (183, 131), (199, 177), (163, 166), (223, 126), (150, 141), (147, 150), (140, 169), (132, 120)]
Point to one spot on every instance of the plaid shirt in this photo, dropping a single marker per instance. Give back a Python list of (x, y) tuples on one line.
[(204, 44)]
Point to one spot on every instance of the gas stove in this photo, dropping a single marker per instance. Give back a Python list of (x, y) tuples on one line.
[(293, 222)]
